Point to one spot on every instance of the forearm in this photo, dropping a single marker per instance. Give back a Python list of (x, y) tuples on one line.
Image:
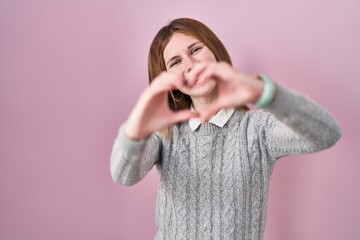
[(311, 122), (130, 160)]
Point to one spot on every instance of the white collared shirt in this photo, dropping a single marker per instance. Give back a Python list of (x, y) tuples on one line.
[(220, 119)]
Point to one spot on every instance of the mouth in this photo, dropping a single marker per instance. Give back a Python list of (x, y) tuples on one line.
[(197, 84)]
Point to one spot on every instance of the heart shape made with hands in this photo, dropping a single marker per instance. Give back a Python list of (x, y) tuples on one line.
[(232, 88)]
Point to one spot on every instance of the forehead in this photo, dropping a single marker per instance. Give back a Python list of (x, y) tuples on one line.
[(178, 42)]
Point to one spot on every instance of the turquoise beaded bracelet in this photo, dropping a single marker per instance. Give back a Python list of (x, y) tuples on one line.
[(268, 93)]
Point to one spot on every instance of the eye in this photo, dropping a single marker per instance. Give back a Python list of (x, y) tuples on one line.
[(173, 63), (195, 50)]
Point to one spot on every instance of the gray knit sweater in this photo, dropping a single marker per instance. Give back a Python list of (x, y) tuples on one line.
[(214, 181)]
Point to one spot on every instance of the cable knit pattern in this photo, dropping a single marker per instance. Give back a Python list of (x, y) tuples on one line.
[(217, 189), (228, 187), (214, 181), (193, 194), (205, 160), (182, 178)]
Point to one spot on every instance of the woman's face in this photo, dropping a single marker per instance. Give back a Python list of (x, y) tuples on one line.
[(181, 53)]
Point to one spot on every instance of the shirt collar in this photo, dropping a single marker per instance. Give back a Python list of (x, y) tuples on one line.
[(220, 119)]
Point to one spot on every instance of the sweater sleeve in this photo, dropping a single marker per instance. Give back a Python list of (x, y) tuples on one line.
[(131, 159), (294, 124)]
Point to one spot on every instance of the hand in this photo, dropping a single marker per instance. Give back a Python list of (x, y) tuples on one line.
[(234, 88), (151, 112)]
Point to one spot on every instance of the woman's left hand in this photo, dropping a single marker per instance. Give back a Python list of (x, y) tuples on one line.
[(234, 88)]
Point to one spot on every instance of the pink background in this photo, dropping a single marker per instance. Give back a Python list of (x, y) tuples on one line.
[(71, 70)]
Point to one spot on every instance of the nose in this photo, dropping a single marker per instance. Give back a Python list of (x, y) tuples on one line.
[(188, 69), (189, 63)]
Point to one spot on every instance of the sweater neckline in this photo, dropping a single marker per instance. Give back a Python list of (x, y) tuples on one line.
[(209, 128)]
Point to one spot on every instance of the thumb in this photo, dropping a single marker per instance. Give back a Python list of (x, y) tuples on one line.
[(183, 115), (211, 111)]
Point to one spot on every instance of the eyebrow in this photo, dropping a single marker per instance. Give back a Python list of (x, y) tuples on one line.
[(176, 56)]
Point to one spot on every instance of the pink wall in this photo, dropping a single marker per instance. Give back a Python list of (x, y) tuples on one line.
[(70, 72)]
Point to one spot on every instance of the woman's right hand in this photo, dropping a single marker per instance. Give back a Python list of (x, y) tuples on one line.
[(152, 112)]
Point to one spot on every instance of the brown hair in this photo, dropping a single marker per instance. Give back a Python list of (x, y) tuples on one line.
[(187, 26), (156, 63)]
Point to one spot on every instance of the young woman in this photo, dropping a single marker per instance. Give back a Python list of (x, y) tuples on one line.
[(214, 155)]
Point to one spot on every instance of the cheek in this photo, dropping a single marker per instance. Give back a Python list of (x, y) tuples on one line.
[(209, 56), (176, 69)]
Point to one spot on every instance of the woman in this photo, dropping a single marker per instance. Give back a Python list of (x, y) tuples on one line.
[(214, 156)]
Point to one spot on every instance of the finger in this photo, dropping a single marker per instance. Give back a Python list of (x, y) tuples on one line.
[(176, 80), (183, 115), (215, 107), (197, 69), (209, 112), (165, 82), (218, 71), (205, 75)]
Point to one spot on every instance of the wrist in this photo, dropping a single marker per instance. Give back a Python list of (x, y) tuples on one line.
[(268, 92), (258, 87), (133, 132)]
